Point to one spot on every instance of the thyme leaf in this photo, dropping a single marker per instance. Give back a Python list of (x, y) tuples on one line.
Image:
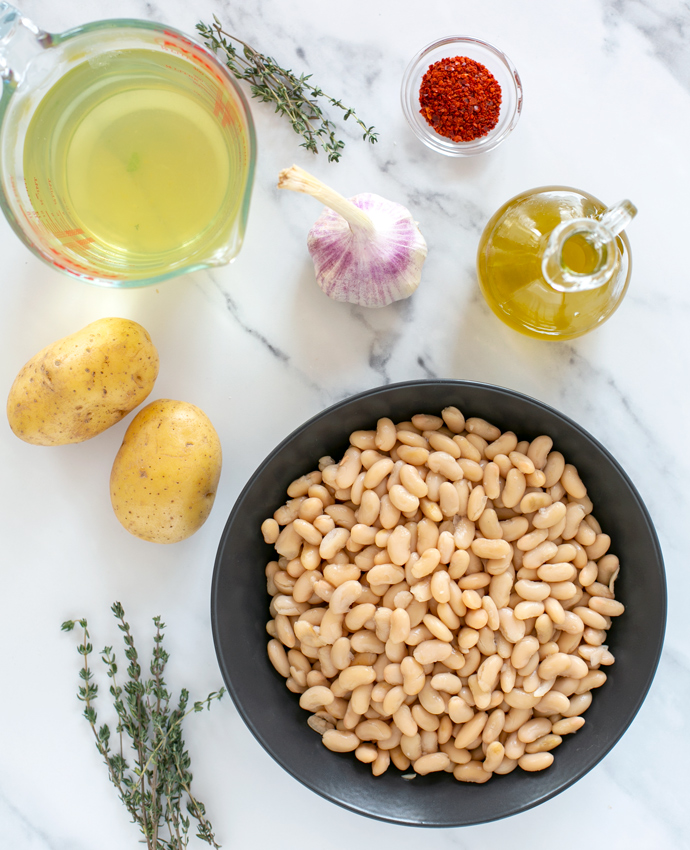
[(150, 767), (295, 97)]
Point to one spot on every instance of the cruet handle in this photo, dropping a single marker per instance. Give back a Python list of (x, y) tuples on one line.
[(20, 40), (616, 218)]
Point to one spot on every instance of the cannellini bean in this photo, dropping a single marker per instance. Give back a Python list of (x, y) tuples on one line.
[(471, 730), (523, 650), (348, 468), (492, 480), (578, 704), (278, 658), (504, 444), (333, 542), (539, 555), (373, 730), (538, 451), (366, 753), (446, 465), (570, 479), (471, 469), (315, 698), (484, 429), (431, 763), (488, 672), (385, 574), (473, 771), (270, 530), (519, 698), (351, 677), (549, 515), (535, 761), (557, 572), (568, 725), (300, 486), (437, 628), (431, 651), (385, 437), (413, 675), (427, 563), (453, 419), (369, 508), (514, 488), (476, 503), (532, 590), (606, 607), (443, 443), (544, 744), (554, 702), (399, 625), (402, 499), (411, 745), (426, 720), (344, 596), (431, 701), (485, 548), (404, 721), (574, 515), (511, 628), (340, 742)]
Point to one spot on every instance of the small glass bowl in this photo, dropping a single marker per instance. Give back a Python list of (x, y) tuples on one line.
[(495, 61)]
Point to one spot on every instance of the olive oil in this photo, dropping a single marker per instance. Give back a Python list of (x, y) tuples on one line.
[(132, 160), (509, 266)]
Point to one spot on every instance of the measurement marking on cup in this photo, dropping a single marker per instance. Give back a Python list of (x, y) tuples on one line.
[(222, 111)]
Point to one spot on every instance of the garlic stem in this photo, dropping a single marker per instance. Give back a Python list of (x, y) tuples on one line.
[(299, 180)]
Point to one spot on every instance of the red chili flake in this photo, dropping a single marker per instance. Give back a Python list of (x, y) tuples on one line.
[(460, 99)]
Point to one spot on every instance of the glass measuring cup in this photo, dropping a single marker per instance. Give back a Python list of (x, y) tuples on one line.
[(127, 151), (554, 262)]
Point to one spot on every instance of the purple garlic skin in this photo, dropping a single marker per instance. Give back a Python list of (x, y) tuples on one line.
[(369, 269)]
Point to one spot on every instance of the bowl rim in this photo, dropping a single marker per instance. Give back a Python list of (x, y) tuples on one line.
[(442, 144), (631, 708)]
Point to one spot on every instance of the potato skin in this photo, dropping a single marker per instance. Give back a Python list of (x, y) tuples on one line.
[(82, 384), (165, 475)]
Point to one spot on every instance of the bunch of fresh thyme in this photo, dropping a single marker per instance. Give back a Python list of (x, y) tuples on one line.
[(154, 788), (295, 97)]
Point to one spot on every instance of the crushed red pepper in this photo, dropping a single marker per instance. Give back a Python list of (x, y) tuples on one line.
[(460, 98)]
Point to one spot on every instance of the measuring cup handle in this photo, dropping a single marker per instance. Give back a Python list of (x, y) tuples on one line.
[(20, 41)]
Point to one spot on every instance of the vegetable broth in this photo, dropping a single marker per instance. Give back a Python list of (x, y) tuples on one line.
[(130, 151)]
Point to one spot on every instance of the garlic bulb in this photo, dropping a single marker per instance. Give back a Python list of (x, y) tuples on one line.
[(367, 250)]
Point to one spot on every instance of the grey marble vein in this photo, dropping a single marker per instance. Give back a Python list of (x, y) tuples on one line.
[(666, 26)]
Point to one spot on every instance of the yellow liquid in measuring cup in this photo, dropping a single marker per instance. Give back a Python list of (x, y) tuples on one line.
[(509, 266), (128, 154)]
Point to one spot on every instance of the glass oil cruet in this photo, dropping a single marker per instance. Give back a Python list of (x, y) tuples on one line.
[(554, 262)]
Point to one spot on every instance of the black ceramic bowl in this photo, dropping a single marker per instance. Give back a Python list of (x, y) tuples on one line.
[(239, 612)]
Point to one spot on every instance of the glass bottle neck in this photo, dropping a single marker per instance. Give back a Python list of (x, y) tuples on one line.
[(582, 253)]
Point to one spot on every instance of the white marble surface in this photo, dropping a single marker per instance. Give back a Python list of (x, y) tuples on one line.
[(260, 349)]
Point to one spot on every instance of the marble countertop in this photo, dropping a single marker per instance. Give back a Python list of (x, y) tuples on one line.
[(259, 348)]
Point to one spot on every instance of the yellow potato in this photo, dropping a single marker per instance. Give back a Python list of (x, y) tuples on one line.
[(165, 475), (83, 383)]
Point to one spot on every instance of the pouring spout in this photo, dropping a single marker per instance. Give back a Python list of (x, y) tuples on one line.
[(20, 41)]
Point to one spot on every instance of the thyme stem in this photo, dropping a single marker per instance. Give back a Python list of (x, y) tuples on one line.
[(294, 97), (154, 788)]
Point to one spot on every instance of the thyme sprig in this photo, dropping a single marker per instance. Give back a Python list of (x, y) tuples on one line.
[(154, 787), (294, 97)]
